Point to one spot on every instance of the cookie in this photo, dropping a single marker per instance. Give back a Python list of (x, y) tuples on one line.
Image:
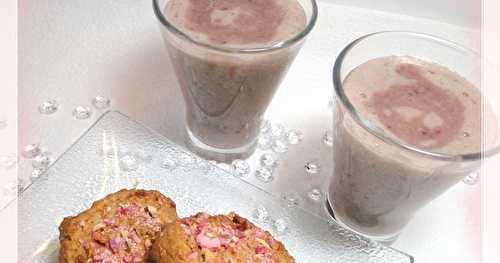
[(220, 238), (118, 228)]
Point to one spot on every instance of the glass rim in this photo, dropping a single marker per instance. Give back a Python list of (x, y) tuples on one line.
[(377, 132), (280, 45)]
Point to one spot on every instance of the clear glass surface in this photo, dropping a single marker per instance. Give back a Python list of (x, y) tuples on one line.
[(94, 166)]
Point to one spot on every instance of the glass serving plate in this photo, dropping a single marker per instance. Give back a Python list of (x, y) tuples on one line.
[(118, 152)]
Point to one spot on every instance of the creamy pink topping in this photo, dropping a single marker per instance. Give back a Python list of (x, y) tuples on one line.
[(420, 113), (235, 21)]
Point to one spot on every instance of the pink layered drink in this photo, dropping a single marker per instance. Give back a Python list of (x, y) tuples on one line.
[(226, 69), (377, 187)]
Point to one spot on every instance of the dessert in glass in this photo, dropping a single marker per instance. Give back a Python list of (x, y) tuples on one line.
[(229, 57), (410, 122)]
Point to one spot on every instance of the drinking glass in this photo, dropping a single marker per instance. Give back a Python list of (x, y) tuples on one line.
[(379, 182), (227, 89)]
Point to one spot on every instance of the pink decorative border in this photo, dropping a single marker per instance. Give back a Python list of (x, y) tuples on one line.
[(8, 136), (8, 112), (491, 180)]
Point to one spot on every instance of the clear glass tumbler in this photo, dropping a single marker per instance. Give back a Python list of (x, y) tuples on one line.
[(379, 182), (227, 89)]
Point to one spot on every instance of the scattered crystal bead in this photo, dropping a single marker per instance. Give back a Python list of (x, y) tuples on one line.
[(268, 160), (312, 168), (36, 173), (48, 107), (472, 178), (41, 161), (8, 162), (261, 214), (294, 137), (291, 199), (101, 102), (466, 134), (128, 163), (31, 151), (277, 130), (265, 127), (280, 226), (82, 113), (204, 165), (226, 167), (264, 142), (241, 168), (280, 146), (315, 194), (328, 138), (186, 159), (264, 174), (168, 164)]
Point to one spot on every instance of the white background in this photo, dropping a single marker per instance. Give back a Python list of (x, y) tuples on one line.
[(461, 12)]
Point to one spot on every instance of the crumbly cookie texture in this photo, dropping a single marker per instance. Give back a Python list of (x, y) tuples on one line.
[(221, 238), (119, 228)]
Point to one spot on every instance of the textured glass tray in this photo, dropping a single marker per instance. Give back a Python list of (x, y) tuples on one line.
[(88, 171)]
